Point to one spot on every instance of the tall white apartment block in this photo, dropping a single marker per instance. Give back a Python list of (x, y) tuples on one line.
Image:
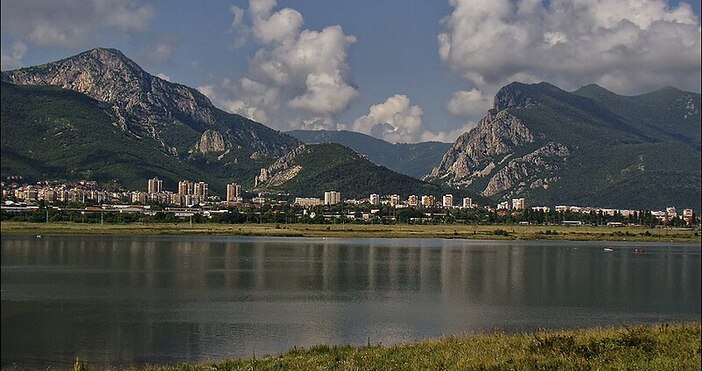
[(233, 192), (467, 202), (154, 185), (332, 197)]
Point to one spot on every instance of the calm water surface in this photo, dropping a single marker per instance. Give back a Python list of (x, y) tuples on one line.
[(126, 300)]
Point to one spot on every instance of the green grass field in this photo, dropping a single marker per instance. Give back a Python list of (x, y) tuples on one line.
[(514, 232), (652, 347)]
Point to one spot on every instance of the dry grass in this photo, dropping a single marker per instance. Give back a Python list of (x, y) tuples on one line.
[(513, 232), (653, 347)]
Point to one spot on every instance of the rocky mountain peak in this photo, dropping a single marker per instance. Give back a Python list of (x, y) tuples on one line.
[(179, 118), (104, 74), (513, 95)]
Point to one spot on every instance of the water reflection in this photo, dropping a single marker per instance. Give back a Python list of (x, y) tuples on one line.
[(130, 300)]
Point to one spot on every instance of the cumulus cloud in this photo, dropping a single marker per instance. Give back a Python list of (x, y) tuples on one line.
[(396, 120), (470, 103), (448, 136), (300, 69), (71, 23), (247, 98), (628, 46), (12, 58)]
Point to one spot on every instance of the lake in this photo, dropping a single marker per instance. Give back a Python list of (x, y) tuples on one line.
[(129, 300)]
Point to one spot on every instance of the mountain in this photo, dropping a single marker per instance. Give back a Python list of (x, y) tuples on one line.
[(413, 159), (175, 119), (588, 147), (301, 173), (53, 133)]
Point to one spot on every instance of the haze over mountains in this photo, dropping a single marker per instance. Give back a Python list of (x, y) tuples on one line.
[(100, 116)]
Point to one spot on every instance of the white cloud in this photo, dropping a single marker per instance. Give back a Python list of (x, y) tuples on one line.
[(277, 27), (630, 46), (395, 120), (208, 90), (469, 103), (163, 76), (447, 136), (70, 23), (13, 58), (303, 70)]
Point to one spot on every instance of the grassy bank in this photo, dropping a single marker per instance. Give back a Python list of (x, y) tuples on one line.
[(653, 347), (514, 232)]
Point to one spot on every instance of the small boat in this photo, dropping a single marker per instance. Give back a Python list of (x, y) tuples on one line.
[(607, 249), (38, 236), (639, 250)]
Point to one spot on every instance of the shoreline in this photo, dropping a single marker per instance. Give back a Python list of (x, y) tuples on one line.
[(660, 346), (468, 232)]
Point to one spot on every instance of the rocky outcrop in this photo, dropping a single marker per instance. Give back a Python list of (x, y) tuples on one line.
[(282, 170), (497, 134), (511, 96), (533, 170), (283, 176), (212, 141)]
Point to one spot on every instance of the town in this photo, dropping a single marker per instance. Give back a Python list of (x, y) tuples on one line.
[(192, 200)]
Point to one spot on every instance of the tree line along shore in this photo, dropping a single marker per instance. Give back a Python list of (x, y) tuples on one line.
[(460, 231)]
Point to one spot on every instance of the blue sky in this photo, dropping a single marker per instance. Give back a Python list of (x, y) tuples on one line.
[(402, 71)]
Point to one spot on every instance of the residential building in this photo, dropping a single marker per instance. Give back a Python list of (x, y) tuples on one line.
[(428, 201), (467, 203), (200, 189), (504, 205), (185, 187), (447, 201), (307, 201), (394, 200), (688, 215), (518, 204), (233, 192), (332, 197), (139, 197), (374, 199), (609, 212), (671, 212), (154, 185), (413, 200)]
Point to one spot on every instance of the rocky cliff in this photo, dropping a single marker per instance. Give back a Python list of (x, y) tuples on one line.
[(492, 154)]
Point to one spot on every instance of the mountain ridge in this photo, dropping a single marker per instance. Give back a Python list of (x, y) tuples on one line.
[(174, 115), (176, 119), (413, 159), (590, 146), (344, 170)]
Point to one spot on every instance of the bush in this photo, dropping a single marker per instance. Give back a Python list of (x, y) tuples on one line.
[(500, 232)]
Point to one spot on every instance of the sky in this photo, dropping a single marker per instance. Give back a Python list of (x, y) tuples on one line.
[(402, 71)]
